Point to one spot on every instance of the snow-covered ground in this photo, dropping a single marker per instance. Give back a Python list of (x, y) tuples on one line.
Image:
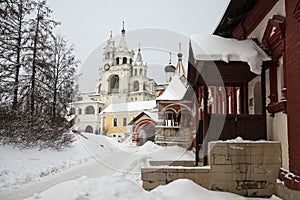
[(94, 168)]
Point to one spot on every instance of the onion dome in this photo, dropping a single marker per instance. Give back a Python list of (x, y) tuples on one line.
[(170, 68)]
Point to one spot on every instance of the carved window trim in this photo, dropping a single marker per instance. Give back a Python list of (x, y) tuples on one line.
[(273, 42), (273, 39)]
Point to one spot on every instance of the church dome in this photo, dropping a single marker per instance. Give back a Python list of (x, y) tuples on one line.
[(170, 68)]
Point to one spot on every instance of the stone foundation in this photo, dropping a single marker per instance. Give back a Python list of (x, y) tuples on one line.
[(245, 168)]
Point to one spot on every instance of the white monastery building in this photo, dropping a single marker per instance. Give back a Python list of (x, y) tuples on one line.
[(122, 79)]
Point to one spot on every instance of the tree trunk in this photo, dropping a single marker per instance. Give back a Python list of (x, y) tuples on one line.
[(18, 66), (54, 99), (32, 99)]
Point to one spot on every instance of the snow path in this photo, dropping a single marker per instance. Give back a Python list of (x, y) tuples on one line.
[(109, 165)]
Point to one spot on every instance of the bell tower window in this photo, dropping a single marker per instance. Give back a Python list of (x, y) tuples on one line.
[(99, 89), (107, 55), (114, 84), (136, 86), (124, 60)]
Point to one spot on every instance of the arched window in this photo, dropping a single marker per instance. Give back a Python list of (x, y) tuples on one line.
[(135, 72), (114, 84), (89, 129), (184, 118), (107, 55), (117, 60), (124, 60), (99, 89), (170, 118), (89, 110), (141, 72), (136, 86), (72, 111), (130, 61)]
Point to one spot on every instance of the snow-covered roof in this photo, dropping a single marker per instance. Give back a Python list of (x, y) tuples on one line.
[(70, 117), (87, 101), (152, 115), (174, 91), (130, 106), (215, 48)]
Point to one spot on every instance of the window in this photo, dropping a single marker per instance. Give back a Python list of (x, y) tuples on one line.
[(141, 72), (170, 118), (107, 55), (135, 72), (130, 61), (184, 118), (273, 42), (89, 129), (124, 121), (114, 84), (79, 111), (89, 110), (136, 86), (117, 60), (115, 122), (99, 89), (124, 60), (100, 110)]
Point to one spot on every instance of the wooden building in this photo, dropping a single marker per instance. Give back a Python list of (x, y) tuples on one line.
[(275, 26), (220, 71)]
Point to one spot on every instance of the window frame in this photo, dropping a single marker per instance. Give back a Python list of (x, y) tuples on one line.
[(115, 122)]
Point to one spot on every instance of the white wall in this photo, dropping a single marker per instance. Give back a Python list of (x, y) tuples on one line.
[(277, 125)]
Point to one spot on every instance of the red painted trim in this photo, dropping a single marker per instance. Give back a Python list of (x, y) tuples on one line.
[(253, 18), (141, 123)]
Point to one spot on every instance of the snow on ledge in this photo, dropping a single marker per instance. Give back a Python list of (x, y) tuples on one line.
[(216, 48), (241, 140)]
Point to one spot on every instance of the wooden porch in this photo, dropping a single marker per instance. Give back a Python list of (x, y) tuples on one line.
[(228, 116)]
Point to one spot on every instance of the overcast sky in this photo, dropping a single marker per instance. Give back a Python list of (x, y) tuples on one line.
[(159, 25)]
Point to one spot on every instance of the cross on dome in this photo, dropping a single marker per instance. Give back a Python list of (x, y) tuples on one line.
[(123, 30), (179, 45)]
